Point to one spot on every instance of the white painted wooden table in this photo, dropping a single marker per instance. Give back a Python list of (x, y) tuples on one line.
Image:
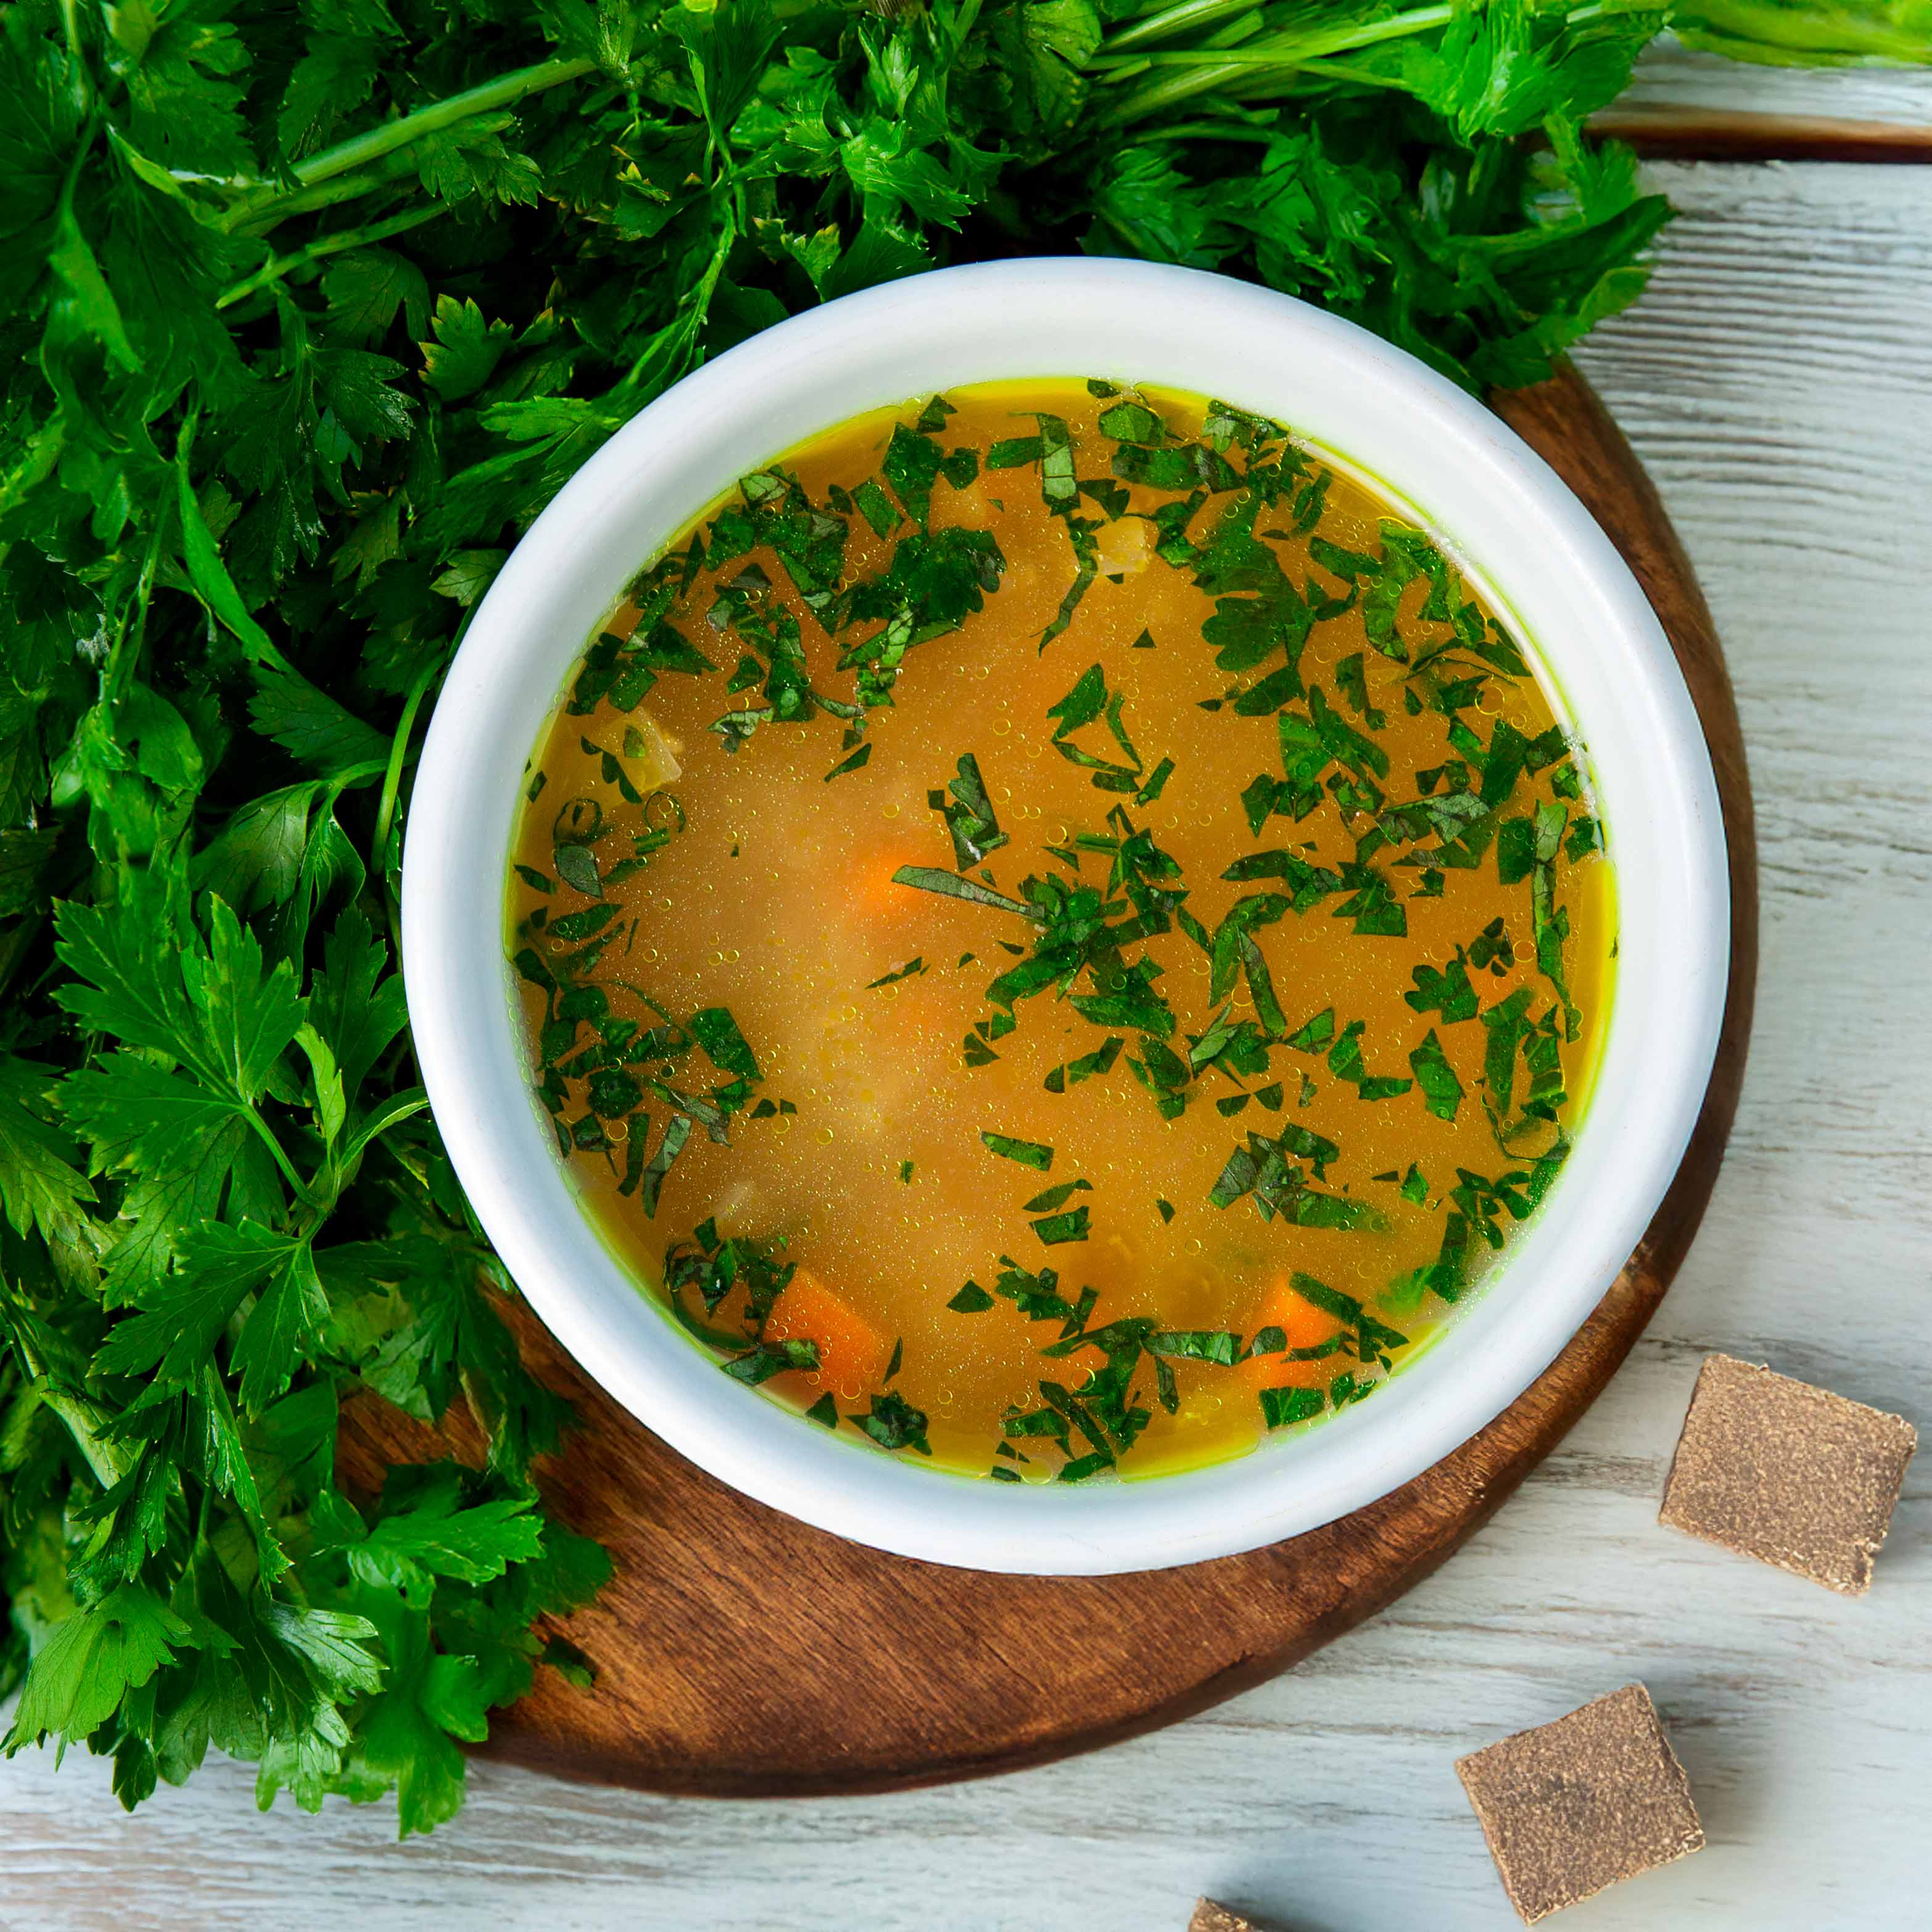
[(1778, 380)]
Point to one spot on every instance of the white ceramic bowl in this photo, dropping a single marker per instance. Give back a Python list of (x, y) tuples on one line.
[(1526, 542)]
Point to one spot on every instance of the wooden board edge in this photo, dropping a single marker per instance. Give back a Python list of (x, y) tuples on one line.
[(1715, 135)]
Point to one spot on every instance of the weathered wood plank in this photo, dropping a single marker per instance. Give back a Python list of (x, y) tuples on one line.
[(1687, 105), (1778, 382), (1673, 79)]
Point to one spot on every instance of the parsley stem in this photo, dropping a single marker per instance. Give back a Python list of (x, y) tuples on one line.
[(1205, 69), (399, 752), (1321, 68), (391, 1114), (1167, 22), (81, 82), (302, 1191), (257, 219), (1216, 63), (1263, 53), (114, 673), (274, 270), (84, 1422), (672, 343), (1208, 130), (360, 149)]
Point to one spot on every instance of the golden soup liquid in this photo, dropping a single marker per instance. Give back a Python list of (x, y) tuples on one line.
[(1060, 936)]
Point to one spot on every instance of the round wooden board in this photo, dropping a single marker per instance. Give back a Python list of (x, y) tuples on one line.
[(740, 1653)]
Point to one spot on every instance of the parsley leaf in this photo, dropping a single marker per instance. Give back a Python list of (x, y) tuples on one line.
[(1028, 1153)]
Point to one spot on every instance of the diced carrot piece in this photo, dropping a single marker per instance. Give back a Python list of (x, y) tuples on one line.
[(851, 1353), (1306, 1326)]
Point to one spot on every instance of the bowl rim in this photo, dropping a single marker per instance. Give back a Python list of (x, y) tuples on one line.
[(1526, 541)]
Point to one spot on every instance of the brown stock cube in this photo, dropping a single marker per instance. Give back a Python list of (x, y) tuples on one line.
[(1209, 1917), (1572, 1807), (1791, 1474)]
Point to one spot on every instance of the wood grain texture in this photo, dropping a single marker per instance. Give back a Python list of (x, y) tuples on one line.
[(873, 1672), (1674, 79), (1686, 106), (1778, 383)]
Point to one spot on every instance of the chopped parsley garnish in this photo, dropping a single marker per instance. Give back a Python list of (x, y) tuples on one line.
[(1441, 1088), (858, 758), (1086, 1066), (1345, 1062), (892, 1422), (1447, 992), (1028, 1153), (929, 879), (1103, 915), (968, 814), (1281, 1407), (1058, 1196), (771, 1358), (1055, 1230), (1088, 700)]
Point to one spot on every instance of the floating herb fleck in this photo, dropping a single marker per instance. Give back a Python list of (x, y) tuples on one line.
[(1028, 1153)]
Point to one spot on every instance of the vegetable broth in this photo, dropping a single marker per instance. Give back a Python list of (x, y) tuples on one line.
[(1034, 1183)]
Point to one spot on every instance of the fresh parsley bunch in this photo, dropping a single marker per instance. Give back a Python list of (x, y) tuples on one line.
[(305, 311)]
